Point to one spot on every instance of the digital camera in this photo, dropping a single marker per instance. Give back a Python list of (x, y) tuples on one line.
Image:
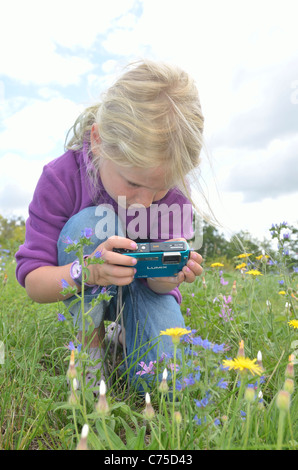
[(158, 259)]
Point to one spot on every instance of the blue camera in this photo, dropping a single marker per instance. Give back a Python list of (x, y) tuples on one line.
[(158, 259)]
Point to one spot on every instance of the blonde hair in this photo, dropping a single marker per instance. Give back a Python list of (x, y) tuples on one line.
[(151, 116)]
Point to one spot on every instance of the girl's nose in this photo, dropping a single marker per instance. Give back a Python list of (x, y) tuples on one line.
[(145, 197)]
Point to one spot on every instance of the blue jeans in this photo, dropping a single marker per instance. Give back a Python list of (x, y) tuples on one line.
[(145, 313)]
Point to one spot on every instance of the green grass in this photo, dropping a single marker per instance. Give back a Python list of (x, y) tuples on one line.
[(34, 397)]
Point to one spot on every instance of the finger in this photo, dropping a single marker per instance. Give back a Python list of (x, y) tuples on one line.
[(119, 242), (196, 257), (114, 271), (189, 275)]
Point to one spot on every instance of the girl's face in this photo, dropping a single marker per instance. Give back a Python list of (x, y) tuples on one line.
[(138, 185)]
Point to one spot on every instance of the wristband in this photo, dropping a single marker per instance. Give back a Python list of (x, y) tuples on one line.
[(76, 272)]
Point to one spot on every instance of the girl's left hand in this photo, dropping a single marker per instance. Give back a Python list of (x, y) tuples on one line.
[(188, 274)]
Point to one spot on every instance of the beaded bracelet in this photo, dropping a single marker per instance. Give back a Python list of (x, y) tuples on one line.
[(76, 273)]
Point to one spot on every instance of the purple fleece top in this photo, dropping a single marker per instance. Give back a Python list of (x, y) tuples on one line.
[(62, 191)]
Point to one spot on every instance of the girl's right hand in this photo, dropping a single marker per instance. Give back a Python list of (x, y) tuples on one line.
[(117, 268)]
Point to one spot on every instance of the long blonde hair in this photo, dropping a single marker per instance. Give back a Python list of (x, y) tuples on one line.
[(151, 116)]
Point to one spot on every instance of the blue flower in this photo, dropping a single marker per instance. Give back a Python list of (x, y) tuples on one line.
[(72, 347), (61, 317), (87, 233), (222, 384), (199, 420), (64, 283)]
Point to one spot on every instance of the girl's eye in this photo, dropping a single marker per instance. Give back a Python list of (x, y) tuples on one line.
[(133, 185)]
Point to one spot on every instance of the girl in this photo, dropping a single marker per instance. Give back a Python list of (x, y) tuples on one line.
[(128, 155)]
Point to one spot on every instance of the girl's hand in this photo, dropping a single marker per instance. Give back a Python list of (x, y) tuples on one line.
[(188, 274), (117, 268)]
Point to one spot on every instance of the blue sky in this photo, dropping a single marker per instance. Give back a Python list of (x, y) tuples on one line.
[(57, 57)]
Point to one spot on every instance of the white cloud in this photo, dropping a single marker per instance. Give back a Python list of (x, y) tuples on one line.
[(37, 128), (18, 179), (34, 32)]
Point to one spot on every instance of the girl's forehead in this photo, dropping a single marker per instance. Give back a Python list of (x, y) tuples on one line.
[(151, 178)]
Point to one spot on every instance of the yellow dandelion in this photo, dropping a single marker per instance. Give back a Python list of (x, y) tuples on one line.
[(175, 333), (262, 257), (254, 272), (243, 364), (244, 255), (293, 323), (241, 266), (282, 292), (216, 265)]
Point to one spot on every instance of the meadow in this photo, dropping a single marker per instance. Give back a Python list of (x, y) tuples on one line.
[(233, 389)]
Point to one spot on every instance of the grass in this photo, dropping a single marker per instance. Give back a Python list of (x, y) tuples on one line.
[(214, 408)]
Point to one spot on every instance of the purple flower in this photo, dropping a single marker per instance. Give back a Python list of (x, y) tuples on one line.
[(69, 241), (188, 314), (87, 233), (146, 369), (61, 317), (64, 283), (223, 282), (72, 347), (222, 384), (199, 420)]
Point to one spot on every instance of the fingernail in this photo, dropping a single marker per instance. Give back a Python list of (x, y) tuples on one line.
[(134, 261), (191, 263), (134, 245)]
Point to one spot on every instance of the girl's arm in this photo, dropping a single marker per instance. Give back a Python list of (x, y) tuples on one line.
[(43, 285)]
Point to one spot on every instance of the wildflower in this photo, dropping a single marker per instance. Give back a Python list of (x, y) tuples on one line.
[(282, 292), (234, 289), (293, 323), (148, 411), (64, 283), (244, 255), (243, 364), (241, 266), (82, 445), (61, 317), (87, 233), (283, 400), (249, 394), (188, 314), (72, 347), (178, 417), (175, 333), (289, 386), (290, 367), (199, 420), (241, 349), (204, 402), (71, 373), (204, 283), (222, 384), (102, 406), (163, 387), (146, 369), (74, 399), (254, 272), (259, 359), (216, 265)]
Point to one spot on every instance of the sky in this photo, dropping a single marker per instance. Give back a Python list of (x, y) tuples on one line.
[(57, 57)]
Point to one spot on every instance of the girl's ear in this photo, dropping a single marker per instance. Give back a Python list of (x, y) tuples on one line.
[(95, 139)]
